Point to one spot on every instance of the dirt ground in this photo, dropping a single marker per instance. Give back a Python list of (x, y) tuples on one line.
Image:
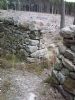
[(17, 84)]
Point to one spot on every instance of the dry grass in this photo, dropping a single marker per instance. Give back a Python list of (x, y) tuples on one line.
[(11, 61), (34, 67), (6, 86)]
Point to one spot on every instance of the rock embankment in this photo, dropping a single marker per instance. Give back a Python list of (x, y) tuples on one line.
[(64, 70), (21, 38)]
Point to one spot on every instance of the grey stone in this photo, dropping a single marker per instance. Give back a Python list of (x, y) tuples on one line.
[(32, 60), (60, 57), (31, 49), (35, 35), (62, 49), (69, 41), (24, 53), (67, 32), (68, 64), (72, 27), (39, 53), (60, 77), (69, 55), (9, 20), (73, 48), (66, 95), (65, 71), (54, 76), (72, 75), (32, 42), (58, 66), (23, 24)]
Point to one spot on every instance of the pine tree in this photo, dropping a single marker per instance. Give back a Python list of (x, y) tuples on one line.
[(62, 22)]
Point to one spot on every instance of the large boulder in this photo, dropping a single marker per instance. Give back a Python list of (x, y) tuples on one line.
[(67, 32), (39, 53), (62, 49), (69, 55), (58, 66), (72, 75), (65, 71), (31, 49), (32, 42), (73, 48), (68, 64), (59, 76)]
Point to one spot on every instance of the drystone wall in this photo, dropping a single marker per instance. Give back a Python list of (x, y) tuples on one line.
[(23, 40), (64, 70)]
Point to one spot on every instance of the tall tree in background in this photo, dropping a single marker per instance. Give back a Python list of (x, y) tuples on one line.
[(74, 21), (62, 22), (74, 15), (7, 3), (3, 4), (19, 5)]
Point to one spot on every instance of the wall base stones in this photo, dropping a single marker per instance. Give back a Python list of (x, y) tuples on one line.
[(64, 70)]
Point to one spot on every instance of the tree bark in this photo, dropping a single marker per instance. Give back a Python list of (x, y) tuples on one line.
[(74, 16), (74, 21), (62, 22), (19, 5), (6, 5)]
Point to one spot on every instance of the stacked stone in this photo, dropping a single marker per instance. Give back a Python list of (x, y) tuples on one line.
[(22, 40), (32, 44), (64, 70)]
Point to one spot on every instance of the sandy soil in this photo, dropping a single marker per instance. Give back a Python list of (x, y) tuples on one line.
[(23, 85)]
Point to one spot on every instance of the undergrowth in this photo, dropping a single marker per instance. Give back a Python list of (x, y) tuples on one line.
[(11, 61)]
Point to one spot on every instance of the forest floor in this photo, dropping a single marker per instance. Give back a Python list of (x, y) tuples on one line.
[(18, 84)]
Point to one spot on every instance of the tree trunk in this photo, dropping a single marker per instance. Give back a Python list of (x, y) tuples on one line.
[(74, 15), (74, 21), (19, 5), (52, 9), (62, 23), (6, 5)]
